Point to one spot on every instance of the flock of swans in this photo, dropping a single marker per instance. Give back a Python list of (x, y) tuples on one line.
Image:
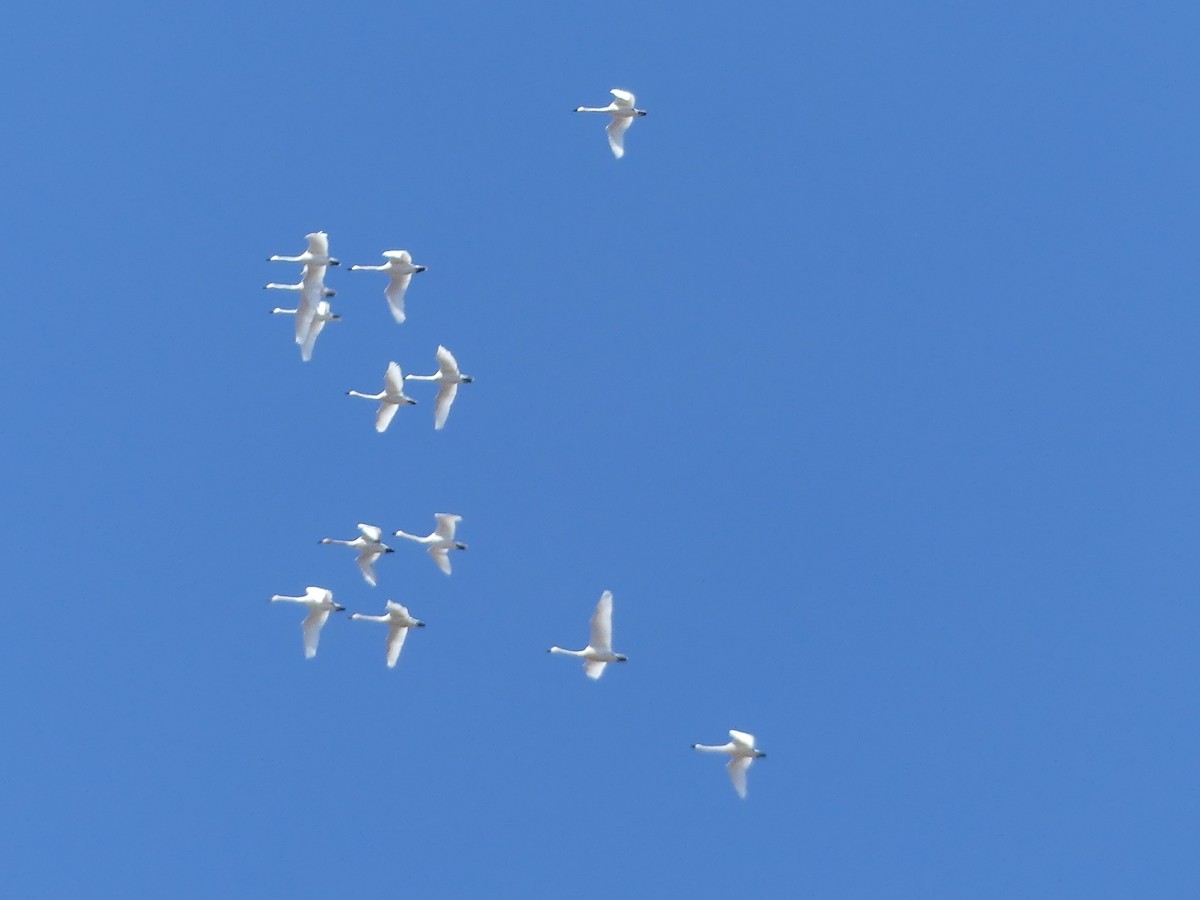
[(311, 314)]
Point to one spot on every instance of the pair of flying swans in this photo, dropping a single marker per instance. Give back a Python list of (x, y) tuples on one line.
[(400, 270), (741, 751), (441, 541), (623, 113), (398, 620), (599, 652), (320, 604), (392, 397), (369, 546)]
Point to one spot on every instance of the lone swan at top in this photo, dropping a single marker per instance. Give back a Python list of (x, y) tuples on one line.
[(623, 113), (391, 398), (599, 652), (742, 752)]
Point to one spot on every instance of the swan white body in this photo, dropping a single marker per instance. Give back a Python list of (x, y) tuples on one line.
[(312, 290), (623, 113), (441, 541), (317, 252), (398, 621), (400, 270), (320, 604), (599, 652), (449, 378), (320, 317), (741, 751), (391, 398), (369, 546)]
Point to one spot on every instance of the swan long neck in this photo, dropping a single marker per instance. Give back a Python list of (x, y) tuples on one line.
[(368, 268), (283, 287), (277, 597), (364, 396), (335, 541), (568, 652), (366, 618), (602, 109), (286, 259), (434, 377), (411, 537), (710, 748)]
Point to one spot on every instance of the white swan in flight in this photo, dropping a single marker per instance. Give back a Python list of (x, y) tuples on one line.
[(398, 621), (449, 378), (391, 398), (742, 752), (369, 546), (599, 652), (400, 270), (323, 314), (317, 252), (441, 541), (623, 113), (320, 604), (311, 288)]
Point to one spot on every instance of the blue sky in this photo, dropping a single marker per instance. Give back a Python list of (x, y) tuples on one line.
[(866, 381)]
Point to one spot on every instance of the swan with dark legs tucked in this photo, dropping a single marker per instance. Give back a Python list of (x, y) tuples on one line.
[(449, 378), (317, 252), (400, 270), (320, 604), (398, 621), (323, 314), (391, 398), (311, 288), (742, 752), (441, 541), (623, 113), (599, 652), (369, 546)]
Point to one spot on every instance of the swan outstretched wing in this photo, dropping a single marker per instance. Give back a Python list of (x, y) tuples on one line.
[(445, 399), (315, 326), (446, 523), (616, 134), (312, 626), (742, 739), (318, 243), (395, 643), (401, 256), (625, 100), (366, 562), (737, 773), (383, 418), (447, 364), (370, 532), (593, 669), (394, 379), (602, 624), (318, 594), (395, 294), (441, 556)]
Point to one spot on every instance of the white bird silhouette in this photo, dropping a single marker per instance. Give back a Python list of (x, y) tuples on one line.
[(320, 317), (599, 652), (398, 621), (400, 270), (623, 113), (317, 252), (369, 546), (449, 379), (441, 541), (391, 398), (311, 288), (320, 604), (742, 752)]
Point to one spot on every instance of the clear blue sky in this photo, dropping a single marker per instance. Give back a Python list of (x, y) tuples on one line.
[(866, 381)]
